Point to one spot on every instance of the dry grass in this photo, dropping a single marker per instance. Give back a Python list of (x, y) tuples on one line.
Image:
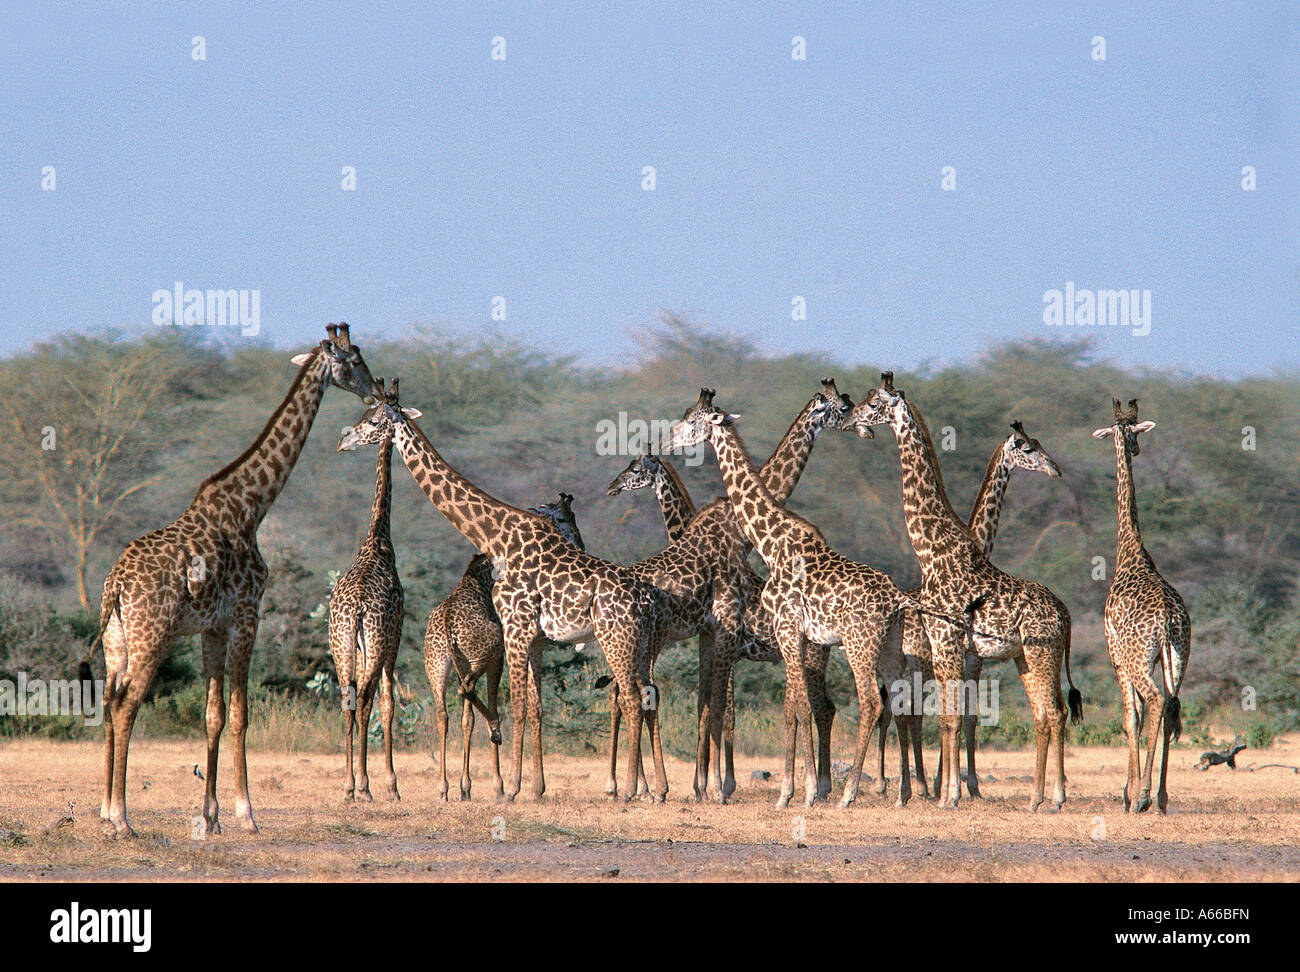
[(1223, 826)]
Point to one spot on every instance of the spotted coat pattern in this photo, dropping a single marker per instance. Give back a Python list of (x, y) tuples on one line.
[(464, 634), (546, 590), (1004, 617), (813, 594), (203, 574), (1147, 626)]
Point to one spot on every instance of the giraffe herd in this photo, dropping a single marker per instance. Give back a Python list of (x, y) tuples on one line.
[(533, 583)]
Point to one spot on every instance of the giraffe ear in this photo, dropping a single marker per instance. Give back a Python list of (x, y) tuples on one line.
[(301, 359), (1103, 433), (1141, 427), (412, 413)]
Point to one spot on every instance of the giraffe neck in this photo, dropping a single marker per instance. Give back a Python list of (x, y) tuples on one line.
[(783, 468), (932, 526), (381, 509), (481, 518), (1129, 538), (987, 510), (242, 492), (762, 519), (674, 502)]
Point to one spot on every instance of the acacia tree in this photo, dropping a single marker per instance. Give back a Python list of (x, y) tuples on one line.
[(79, 422)]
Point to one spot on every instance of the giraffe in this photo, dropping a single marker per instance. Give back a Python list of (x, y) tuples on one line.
[(709, 582), (1008, 618), (757, 641), (366, 628), (464, 632), (546, 590), (812, 593), (908, 651), (675, 503), (203, 574), (1146, 624)]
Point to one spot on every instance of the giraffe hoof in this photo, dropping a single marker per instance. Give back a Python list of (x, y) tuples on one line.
[(366, 796), (1143, 805), (122, 830), (213, 827), (464, 795), (247, 825)]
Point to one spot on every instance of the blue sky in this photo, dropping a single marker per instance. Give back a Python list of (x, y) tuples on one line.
[(775, 177)]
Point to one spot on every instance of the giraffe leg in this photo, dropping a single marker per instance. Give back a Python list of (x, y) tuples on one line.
[(948, 643), (214, 674), (467, 735), (862, 649), (1058, 743), (438, 681), (1132, 727), (724, 657), (823, 714), (660, 792), (349, 729), (1162, 795), (882, 785), (615, 717), (729, 737), (241, 650), (791, 736), (904, 770), (973, 666), (114, 673), (535, 718), (1154, 720), (143, 665), (517, 648), (703, 692), (631, 703), (386, 706), (363, 731), (1035, 690), (107, 803), (494, 719), (914, 730), (124, 713)]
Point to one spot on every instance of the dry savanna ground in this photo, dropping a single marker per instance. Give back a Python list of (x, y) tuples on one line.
[(1222, 825)]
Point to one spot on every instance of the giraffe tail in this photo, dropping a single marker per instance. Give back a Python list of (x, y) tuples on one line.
[(1174, 715), (1075, 697), (108, 606)]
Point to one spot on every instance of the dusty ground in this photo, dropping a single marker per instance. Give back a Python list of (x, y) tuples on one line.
[(1242, 826)]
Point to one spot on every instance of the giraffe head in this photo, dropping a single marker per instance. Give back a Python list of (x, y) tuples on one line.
[(347, 369), (1126, 424), (1023, 450), (640, 473), (377, 423), (881, 407), (561, 514), (697, 422)]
